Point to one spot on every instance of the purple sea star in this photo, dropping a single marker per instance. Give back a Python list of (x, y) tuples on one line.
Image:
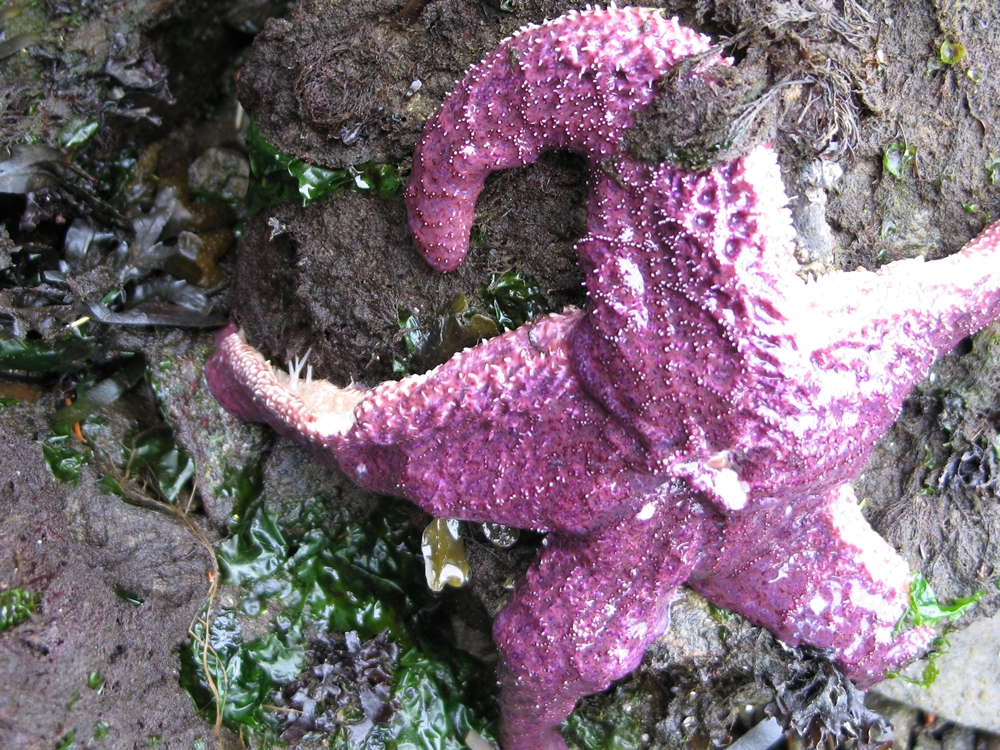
[(698, 421)]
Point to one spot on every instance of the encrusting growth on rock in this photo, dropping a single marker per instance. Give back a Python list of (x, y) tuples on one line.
[(699, 420)]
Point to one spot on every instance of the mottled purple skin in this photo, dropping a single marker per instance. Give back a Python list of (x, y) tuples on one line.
[(698, 421)]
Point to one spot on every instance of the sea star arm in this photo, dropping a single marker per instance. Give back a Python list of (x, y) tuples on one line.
[(572, 83), (595, 604), (818, 575), (475, 439), (856, 345), (911, 310)]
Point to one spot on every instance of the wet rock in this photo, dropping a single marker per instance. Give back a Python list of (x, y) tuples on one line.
[(221, 171), (83, 662), (905, 719), (291, 482), (958, 738), (813, 239), (334, 276), (335, 85), (967, 690), (6, 248), (222, 447), (113, 64)]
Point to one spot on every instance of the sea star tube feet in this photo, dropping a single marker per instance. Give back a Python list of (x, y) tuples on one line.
[(698, 420)]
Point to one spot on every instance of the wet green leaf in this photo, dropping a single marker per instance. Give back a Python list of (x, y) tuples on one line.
[(16, 605), (127, 595), (333, 576), (116, 175), (243, 485), (514, 299), (897, 158), (239, 681), (279, 178), (95, 681), (719, 613), (156, 452), (412, 335), (36, 355), (924, 608), (992, 165), (77, 132), (435, 710), (110, 486), (939, 647), (951, 53), (65, 457), (254, 553)]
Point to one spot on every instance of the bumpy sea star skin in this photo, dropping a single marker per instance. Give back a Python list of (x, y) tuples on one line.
[(698, 421)]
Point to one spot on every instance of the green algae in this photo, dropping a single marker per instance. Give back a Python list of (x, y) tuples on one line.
[(924, 608), (513, 299), (64, 354), (457, 326), (77, 132), (951, 53), (154, 454), (128, 595), (607, 721), (897, 158), (96, 681), (65, 455), (279, 178), (335, 576), (117, 174), (413, 338), (16, 606), (510, 299), (938, 648), (992, 167), (438, 705)]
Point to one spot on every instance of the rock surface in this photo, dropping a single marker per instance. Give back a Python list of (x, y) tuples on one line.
[(967, 691), (89, 660)]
